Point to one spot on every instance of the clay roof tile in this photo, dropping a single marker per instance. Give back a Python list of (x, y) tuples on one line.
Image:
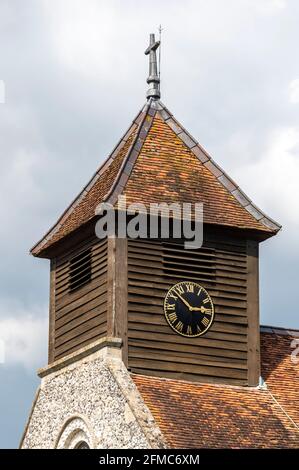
[(157, 161), (198, 415)]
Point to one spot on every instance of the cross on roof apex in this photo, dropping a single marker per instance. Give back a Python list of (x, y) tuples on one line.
[(153, 79)]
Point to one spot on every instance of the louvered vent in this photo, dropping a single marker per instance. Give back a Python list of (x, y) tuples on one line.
[(190, 264), (80, 270)]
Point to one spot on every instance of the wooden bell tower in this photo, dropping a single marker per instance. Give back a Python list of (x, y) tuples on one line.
[(115, 288)]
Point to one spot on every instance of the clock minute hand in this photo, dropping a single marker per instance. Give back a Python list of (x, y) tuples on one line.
[(184, 301)]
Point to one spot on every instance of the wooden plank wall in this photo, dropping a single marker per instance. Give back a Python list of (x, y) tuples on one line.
[(80, 316), (254, 357), (220, 356), (117, 304)]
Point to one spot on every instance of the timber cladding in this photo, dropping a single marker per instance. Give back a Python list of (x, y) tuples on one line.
[(221, 355), (117, 288), (80, 299)]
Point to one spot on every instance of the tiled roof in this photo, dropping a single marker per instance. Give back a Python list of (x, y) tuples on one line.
[(158, 161), (167, 170), (193, 415)]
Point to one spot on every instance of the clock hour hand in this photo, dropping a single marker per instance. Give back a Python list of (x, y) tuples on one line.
[(199, 309), (184, 301)]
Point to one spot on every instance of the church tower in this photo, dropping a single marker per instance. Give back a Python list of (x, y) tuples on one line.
[(127, 312)]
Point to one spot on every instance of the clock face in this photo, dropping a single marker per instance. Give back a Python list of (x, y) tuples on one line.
[(188, 309)]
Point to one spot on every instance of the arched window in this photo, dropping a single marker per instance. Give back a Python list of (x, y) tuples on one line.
[(76, 433), (82, 445)]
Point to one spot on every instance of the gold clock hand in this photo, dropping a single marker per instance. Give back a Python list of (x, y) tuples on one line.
[(199, 309), (184, 301)]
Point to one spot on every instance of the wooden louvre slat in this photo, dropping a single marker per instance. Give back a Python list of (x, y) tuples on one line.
[(221, 267), (81, 313), (80, 270), (64, 268), (97, 270)]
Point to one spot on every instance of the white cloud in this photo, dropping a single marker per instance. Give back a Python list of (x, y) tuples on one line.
[(274, 178), (24, 336), (86, 41), (269, 6), (101, 40), (294, 91)]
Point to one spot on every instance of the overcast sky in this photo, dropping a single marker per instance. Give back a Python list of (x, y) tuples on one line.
[(73, 76)]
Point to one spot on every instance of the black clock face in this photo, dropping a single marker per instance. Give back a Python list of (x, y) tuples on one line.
[(188, 309)]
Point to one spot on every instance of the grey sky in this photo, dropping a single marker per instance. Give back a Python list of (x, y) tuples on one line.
[(74, 74)]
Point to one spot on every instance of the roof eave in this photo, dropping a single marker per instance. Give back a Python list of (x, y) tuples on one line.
[(37, 249), (217, 171), (142, 123)]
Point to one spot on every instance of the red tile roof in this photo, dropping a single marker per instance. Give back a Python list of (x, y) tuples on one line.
[(167, 170), (158, 161), (83, 207), (85, 210), (193, 415)]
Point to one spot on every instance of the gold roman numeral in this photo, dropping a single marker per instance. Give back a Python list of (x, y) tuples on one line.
[(172, 317), (179, 326), (206, 300), (205, 321), (189, 330), (172, 296), (190, 287), (198, 329), (180, 289), (170, 306), (199, 291), (208, 311)]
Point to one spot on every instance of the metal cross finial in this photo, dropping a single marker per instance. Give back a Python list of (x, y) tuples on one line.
[(153, 79)]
